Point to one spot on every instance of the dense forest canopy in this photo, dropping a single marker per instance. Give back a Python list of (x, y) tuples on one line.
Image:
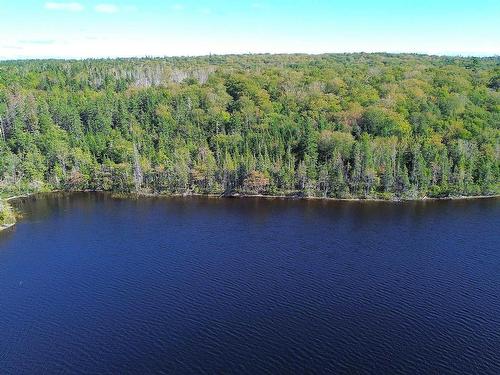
[(347, 125)]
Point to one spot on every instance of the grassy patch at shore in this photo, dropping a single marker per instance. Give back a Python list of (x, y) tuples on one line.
[(7, 216)]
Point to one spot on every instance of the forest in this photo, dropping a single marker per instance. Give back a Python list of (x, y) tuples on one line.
[(332, 126)]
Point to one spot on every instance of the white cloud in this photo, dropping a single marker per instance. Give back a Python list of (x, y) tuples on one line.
[(9, 46), (37, 41), (106, 8), (71, 7), (178, 7)]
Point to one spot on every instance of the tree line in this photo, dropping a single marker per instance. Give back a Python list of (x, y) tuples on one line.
[(341, 126)]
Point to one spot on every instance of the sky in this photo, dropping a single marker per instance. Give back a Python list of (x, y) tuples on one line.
[(126, 28)]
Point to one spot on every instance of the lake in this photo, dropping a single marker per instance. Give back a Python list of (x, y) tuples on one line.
[(91, 284)]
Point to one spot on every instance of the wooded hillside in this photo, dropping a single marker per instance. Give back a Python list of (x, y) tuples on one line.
[(353, 125)]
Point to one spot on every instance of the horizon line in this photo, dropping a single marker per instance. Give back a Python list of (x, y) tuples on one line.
[(139, 57)]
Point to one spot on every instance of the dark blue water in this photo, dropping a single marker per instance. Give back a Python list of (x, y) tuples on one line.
[(89, 284)]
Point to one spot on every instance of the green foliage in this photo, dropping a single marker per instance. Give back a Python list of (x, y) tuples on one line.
[(7, 216), (352, 125)]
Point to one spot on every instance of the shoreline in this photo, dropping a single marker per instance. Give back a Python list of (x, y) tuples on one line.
[(259, 196), (246, 196), (25, 196), (6, 226), (293, 197), (306, 198), (11, 216)]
